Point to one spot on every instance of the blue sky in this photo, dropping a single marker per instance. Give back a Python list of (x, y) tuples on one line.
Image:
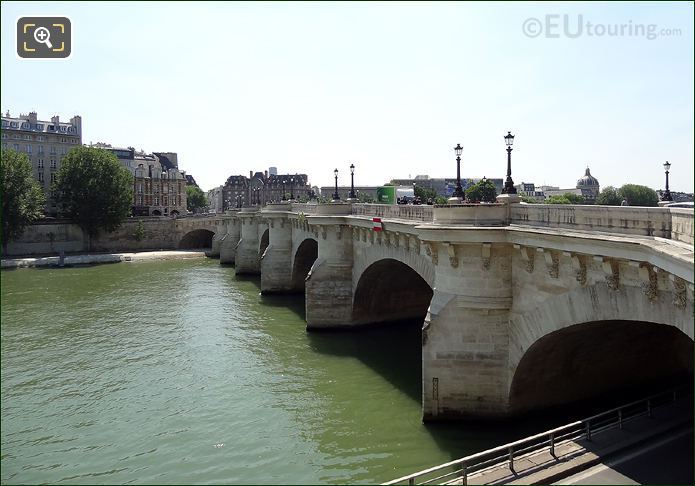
[(390, 87)]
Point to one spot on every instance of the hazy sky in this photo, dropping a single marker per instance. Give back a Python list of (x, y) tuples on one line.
[(309, 87)]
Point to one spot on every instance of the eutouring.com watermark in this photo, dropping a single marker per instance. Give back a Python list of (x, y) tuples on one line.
[(555, 26)]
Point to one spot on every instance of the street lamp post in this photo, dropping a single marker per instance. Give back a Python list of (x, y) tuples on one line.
[(283, 189), (666, 195), (352, 182), (458, 192), (509, 183), (291, 188), (336, 196)]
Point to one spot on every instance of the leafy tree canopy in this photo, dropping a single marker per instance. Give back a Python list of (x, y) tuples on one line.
[(94, 189), (557, 200), (609, 196), (574, 198), (484, 190), (425, 193), (22, 197), (195, 198), (637, 195)]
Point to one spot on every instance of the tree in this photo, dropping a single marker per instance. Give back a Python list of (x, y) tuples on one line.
[(139, 233), (637, 195), (440, 200), (484, 190), (528, 199), (94, 190), (574, 198), (425, 193), (609, 196), (22, 197), (558, 200), (195, 198), (365, 197)]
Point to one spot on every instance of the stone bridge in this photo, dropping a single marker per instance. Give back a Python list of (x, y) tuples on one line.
[(523, 306)]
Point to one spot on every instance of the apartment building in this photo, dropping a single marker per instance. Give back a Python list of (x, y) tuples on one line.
[(45, 143)]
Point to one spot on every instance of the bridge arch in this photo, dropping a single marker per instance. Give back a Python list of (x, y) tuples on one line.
[(197, 238), (305, 256), (390, 290), (264, 241), (591, 341)]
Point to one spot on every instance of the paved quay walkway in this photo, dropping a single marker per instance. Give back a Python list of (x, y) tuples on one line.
[(97, 258), (577, 455)]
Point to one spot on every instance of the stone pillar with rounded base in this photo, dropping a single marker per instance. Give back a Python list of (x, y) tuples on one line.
[(247, 259), (465, 351), (328, 287), (230, 241), (220, 232), (276, 261)]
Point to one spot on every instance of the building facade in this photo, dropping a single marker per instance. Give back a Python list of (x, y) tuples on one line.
[(215, 199), (159, 187), (45, 143), (262, 188)]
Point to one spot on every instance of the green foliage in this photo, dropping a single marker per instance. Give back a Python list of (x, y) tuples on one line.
[(94, 189), (425, 193), (529, 199), (440, 200), (574, 198), (22, 197), (484, 190), (365, 197), (195, 198), (557, 200), (637, 195), (139, 234), (609, 196), (566, 198)]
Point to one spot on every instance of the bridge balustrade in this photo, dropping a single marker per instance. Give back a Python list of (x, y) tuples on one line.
[(646, 221), (407, 212)]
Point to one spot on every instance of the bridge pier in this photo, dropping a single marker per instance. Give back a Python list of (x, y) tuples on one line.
[(229, 242), (465, 350), (276, 261), (329, 284), (247, 259)]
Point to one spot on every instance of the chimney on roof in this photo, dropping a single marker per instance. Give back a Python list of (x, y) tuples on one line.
[(250, 174), (32, 117), (266, 174), (55, 120), (7, 114)]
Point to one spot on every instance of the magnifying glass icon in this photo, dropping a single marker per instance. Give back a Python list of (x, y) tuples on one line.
[(43, 36)]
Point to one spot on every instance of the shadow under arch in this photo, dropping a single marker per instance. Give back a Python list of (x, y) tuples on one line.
[(304, 258), (200, 238), (613, 361), (264, 242), (389, 290)]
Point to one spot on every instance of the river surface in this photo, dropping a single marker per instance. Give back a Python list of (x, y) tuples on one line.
[(180, 372)]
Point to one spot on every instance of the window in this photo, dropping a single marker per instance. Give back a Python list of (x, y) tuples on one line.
[(26, 125), (14, 124), (51, 128), (16, 147), (156, 201), (53, 164), (41, 138), (139, 200), (40, 166), (27, 137), (53, 149), (39, 126), (28, 149), (53, 176), (40, 176), (62, 129), (40, 149), (17, 136), (139, 188)]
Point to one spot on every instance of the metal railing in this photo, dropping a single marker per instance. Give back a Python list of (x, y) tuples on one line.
[(461, 469)]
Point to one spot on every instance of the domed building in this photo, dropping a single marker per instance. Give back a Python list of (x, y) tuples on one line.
[(589, 186)]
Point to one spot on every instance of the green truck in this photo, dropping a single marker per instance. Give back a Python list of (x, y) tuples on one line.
[(391, 194)]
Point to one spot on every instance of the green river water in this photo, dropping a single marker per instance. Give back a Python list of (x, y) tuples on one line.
[(180, 372)]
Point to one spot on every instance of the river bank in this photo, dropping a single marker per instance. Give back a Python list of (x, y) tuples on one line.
[(98, 258)]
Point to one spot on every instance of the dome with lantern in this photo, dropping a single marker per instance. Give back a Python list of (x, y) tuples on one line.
[(589, 186)]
